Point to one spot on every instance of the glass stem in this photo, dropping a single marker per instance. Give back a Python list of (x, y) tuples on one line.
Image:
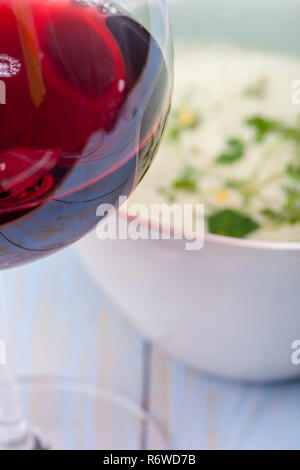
[(14, 430)]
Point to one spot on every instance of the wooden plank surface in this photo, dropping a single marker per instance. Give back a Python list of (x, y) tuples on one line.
[(65, 326), (202, 412)]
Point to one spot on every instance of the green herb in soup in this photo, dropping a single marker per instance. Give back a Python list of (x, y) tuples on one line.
[(233, 142), (186, 181), (235, 150), (294, 172), (263, 126), (231, 224), (258, 90)]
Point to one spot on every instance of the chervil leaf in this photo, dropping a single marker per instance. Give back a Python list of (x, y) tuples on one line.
[(291, 133), (173, 133), (263, 126), (274, 216), (290, 212), (235, 151), (294, 172), (186, 181), (292, 198), (258, 89), (169, 195), (231, 223)]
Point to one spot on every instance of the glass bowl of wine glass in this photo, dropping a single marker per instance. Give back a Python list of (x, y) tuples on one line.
[(85, 90)]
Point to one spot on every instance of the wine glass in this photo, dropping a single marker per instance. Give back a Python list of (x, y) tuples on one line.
[(85, 90)]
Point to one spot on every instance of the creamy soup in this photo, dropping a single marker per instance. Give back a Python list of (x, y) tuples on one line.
[(232, 143)]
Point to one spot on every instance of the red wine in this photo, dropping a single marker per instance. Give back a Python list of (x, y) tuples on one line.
[(87, 96)]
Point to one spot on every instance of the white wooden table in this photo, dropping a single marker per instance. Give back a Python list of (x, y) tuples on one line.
[(65, 326)]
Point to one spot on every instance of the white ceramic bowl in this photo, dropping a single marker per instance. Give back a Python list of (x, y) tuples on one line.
[(233, 308)]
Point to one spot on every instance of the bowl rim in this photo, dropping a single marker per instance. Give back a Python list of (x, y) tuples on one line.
[(224, 240), (252, 244)]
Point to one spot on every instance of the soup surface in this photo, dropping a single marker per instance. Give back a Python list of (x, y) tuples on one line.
[(233, 142)]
